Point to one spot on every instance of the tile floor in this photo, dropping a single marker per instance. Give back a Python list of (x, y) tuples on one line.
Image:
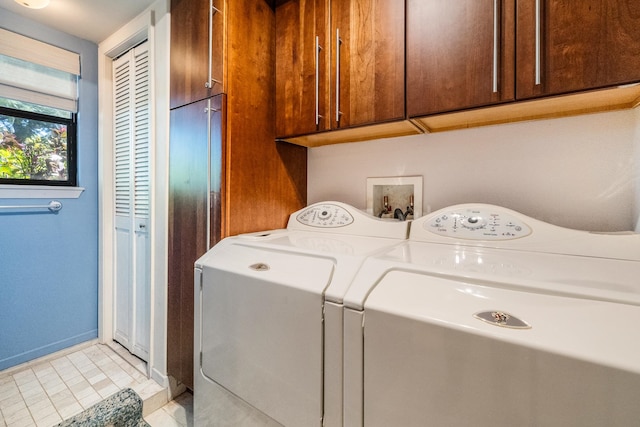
[(177, 413), (46, 391)]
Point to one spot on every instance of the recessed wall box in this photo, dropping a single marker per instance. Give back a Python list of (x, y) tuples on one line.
[(386, 194)]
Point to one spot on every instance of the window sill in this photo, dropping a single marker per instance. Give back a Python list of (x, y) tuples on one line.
[(39, 192)]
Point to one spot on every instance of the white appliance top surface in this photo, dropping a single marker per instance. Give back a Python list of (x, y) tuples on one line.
[(331, 231), (480, 244)]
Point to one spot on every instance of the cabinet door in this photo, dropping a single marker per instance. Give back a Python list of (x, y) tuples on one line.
[(188, 209), (460, 54), (302, 64), (565, 46), (367, 39), (197, 45)]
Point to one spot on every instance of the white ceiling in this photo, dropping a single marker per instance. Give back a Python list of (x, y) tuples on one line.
[(93, 20)]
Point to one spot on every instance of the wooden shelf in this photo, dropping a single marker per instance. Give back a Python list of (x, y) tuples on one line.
[(619, 98), (363, 133), (611, 99)]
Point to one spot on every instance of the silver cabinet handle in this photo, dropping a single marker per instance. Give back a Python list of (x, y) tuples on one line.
[(338, 43), (211, 167), (495, 46), (318, 48), (538, 77), (209, 111), (207, 84), (210, 80)]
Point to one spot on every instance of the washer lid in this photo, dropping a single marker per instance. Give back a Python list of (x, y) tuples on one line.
[(586, 277), (595, 331)]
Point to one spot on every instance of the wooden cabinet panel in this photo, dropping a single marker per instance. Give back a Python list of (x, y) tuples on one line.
[(302, 67), (358, 75), (460, 54), (265, 181), (188, 205), (197, 50), (367, 62), (584, 44)]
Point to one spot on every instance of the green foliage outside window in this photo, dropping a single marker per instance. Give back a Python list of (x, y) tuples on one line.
[(32, 146)]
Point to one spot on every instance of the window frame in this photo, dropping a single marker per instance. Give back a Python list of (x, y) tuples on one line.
[(72, 164)]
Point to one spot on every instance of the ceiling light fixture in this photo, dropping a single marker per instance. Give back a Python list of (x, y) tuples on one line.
[(34, 4)]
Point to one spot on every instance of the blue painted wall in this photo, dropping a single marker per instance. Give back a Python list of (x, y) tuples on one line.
[(49, 262)]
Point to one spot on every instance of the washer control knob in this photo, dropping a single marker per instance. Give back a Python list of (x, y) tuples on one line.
[(473, 222)]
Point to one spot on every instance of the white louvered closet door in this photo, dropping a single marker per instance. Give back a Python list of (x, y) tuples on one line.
[(132, 191)]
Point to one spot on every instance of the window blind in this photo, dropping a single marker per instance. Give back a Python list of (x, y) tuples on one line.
[(37, 72)]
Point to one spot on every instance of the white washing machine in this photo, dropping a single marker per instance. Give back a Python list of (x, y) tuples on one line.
[(486, 317), (268, 318)]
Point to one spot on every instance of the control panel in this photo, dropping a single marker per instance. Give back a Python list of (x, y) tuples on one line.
[(326, 215), (477, 224)]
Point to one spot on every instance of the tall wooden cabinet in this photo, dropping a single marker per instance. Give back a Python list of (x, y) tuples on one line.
[(227, 174), (194, 174), (473, 53), (339, 64)]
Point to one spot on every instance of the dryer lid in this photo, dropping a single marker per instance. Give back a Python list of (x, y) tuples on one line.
[(300, 271)]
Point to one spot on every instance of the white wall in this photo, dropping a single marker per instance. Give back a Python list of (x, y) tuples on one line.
[(578, 172)]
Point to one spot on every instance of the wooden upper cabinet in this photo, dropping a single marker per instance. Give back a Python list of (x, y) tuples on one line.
[(460, 54), (367, 62), (302, 65), (197, 50), (584, 44), (340, 69)]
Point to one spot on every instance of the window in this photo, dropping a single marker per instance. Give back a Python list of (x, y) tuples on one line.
[(36, 147), (38, 106)]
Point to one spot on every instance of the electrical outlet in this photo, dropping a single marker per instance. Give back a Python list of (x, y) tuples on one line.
[(386, 194)]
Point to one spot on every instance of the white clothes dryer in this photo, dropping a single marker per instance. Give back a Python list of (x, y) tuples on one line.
[(268, 318), (486, 317)]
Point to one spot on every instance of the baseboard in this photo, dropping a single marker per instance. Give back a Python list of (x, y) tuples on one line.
[(159, 377), (22, 358)]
